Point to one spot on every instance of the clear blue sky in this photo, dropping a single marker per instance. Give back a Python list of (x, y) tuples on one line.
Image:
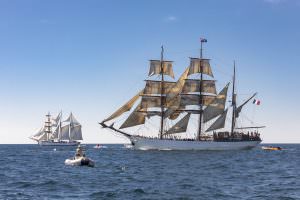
[(91, 56)]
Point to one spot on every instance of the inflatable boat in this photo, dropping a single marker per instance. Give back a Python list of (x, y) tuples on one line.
[(80, 161)]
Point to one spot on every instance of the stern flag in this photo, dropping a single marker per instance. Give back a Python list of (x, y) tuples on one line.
[(256, 102)]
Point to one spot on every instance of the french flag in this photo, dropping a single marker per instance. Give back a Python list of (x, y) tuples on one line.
[(256, 102)]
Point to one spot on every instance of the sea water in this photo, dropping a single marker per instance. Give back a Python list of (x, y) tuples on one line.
[(35, 172)]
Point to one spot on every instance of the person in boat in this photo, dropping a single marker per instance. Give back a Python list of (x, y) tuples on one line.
[(79, 152)]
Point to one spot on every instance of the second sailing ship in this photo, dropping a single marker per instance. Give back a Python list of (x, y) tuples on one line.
[(58, 132)]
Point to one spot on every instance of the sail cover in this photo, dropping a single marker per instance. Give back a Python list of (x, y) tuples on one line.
[(195, 67), (219, 123), (217, 106), (192, 85), (155, 68), (134, 119), (75, 133), (126, 107), (64, 135), (180, 126)]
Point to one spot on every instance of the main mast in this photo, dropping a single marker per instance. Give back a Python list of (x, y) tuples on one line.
[(200, 89), (162, 93), (233, 101), (48, 126)]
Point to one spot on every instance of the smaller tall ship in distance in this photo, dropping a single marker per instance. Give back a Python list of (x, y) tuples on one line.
[(188, 114), (58, 132)]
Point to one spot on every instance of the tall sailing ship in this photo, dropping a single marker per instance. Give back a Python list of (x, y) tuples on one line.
[(194, 94), (58, 132)]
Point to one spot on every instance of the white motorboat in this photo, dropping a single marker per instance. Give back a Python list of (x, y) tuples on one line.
[(80, 161)]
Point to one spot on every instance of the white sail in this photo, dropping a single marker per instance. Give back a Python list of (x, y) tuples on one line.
[(71, 119), (65, 132), (75, 133), (39, 133), (55, 134), (57, 119), (42, 137)]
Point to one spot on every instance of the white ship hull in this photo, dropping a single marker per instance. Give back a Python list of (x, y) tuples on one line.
[(165, 144), (54, 143)]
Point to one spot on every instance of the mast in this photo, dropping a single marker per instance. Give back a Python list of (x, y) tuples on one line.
[(70, 127), (233, 101), (162, 93), (200, 89), (48, 125), (59, 128)]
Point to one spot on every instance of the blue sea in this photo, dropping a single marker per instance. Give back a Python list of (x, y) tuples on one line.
[(34, 172)]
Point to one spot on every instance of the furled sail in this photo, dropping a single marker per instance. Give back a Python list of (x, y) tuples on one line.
[(65, 132), (217, 106), (75, 133), (239, 109), (134, 119), (192, 85), (195, 66), (155, 68), (219, 123), (154, 87), (126, 107), (180, 126)]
